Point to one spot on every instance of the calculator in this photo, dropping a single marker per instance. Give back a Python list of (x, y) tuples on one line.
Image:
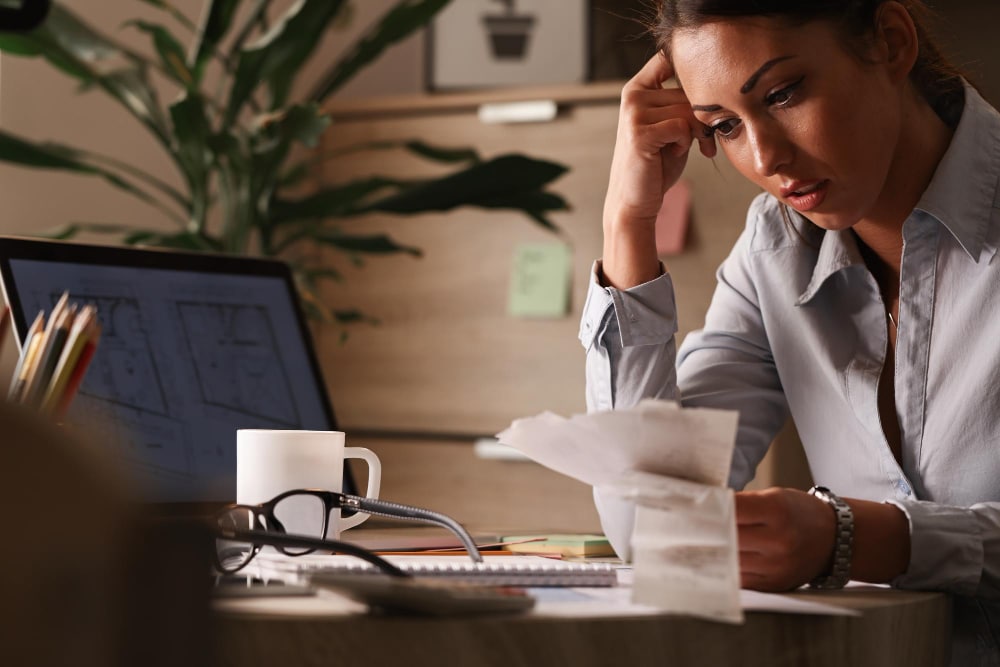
[(425, 595)]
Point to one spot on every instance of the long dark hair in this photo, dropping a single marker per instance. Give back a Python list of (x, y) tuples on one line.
[(937, 80)]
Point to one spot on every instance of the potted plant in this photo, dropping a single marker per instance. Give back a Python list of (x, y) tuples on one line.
[(232, 124)]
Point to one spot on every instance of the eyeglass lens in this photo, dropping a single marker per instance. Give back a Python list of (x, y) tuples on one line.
[(301, 514), (234, 554)]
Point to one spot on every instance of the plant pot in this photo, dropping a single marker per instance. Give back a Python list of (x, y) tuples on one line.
[(509, 35)]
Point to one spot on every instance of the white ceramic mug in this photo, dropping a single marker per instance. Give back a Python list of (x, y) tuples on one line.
[(270, 462)]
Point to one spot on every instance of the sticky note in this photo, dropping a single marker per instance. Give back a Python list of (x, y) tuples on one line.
[(540, 281), (672, 221)]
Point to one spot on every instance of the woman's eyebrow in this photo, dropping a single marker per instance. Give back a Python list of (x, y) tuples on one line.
[(752, 81), (746, 87)]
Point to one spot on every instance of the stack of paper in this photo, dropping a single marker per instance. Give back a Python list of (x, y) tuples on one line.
[(672, 463), (54, 357)]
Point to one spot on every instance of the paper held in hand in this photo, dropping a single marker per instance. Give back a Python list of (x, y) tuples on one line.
[(672, 464)]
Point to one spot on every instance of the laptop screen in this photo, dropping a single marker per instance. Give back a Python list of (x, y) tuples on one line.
[(192, 348)]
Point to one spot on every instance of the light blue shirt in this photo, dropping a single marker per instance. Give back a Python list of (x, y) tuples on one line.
[(797, 326)]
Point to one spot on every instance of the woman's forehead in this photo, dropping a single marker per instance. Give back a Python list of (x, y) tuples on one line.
[(736, 48)]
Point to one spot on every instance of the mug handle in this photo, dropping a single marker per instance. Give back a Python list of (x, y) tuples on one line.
[(374, 481)]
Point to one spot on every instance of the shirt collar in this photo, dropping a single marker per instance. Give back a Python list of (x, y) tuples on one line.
[(962, 192), (960, 195), (838, 250)]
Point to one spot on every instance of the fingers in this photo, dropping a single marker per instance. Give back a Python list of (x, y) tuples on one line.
[(785, 538), (706, 143), (656, 70), (754, 508), (654, 110)]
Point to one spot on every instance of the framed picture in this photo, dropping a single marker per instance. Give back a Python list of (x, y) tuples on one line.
[(487, 43)]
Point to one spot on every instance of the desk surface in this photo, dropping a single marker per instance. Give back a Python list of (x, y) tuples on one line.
[(894, 628)]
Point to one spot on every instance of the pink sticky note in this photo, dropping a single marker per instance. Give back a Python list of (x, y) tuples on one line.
[(672, 221)]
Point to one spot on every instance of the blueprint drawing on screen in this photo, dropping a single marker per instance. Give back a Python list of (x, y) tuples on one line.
[(184, 360)]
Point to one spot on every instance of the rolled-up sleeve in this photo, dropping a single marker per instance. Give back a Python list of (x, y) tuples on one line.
[(954, 549), (628, 336)]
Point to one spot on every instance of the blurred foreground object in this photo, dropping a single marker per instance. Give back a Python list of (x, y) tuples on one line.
[(84, 579)]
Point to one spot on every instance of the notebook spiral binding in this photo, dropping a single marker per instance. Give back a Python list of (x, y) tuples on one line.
[(507, 572)]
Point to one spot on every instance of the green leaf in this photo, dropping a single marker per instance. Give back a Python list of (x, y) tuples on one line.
[(192, 134), (375, 244), (131, 87), (302, 123), (215, 23), (353, 316), (178, 241), (19, 45), (509, 181), (132, 236), (171, 9), (295, 174), (440, 154), (64, 232), (276, 133), (50, 155), (397, 24), (334, 201), (276, 58), (170, 51)]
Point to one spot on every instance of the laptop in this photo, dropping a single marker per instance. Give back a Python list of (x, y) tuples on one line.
[(193, 347)]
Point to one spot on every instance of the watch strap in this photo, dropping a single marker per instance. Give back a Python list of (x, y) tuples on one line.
[(840, 570)]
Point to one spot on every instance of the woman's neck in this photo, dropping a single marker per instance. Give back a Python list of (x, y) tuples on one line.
[(923, 140)]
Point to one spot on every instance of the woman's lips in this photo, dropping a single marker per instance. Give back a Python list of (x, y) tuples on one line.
[(805, 196)]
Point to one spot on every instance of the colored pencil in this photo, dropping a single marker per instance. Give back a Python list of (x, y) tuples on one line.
[(4, 320), (76, 377), (48, 356), (32, 372), (75, 343), (26, 361)]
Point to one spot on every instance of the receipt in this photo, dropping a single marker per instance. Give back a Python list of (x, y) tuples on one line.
[(684, 546), (658, 437), (672, 463)]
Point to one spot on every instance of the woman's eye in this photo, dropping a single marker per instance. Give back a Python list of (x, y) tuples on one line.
[(725, 128), (783, 97)]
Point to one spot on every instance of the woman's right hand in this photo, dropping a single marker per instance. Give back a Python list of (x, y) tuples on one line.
[(656, 128)]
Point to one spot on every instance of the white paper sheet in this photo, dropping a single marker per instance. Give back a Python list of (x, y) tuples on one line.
[(655, 436), (672, 463)]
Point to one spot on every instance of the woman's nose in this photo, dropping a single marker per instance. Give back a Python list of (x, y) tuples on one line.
[(770, 149)]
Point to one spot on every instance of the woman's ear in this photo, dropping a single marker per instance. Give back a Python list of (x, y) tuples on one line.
[(896, 42)]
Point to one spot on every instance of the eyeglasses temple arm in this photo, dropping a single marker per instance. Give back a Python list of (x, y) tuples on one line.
[(266, 538), (397, 511)]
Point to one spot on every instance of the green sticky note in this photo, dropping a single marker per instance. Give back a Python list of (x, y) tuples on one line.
[(539, 280)]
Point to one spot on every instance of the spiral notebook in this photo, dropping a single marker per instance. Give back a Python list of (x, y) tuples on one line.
[(527, 571)]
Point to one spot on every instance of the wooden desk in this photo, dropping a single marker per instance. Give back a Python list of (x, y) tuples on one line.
[(895, 628)]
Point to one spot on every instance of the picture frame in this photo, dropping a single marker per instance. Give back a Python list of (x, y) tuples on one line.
[(496, 43)]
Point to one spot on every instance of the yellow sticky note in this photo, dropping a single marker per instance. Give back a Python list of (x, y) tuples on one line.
[(540, 280)]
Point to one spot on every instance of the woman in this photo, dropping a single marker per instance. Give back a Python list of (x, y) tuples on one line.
[(858, 300)]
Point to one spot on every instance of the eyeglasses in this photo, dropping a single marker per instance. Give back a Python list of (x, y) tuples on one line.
[(296, 523)]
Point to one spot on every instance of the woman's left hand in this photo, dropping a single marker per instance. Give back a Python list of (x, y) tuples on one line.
[(786, 538)]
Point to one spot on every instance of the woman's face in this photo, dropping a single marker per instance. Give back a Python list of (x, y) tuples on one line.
[(795, 112)]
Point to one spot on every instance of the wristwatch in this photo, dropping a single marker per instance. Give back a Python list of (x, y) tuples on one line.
[(840, 571)]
